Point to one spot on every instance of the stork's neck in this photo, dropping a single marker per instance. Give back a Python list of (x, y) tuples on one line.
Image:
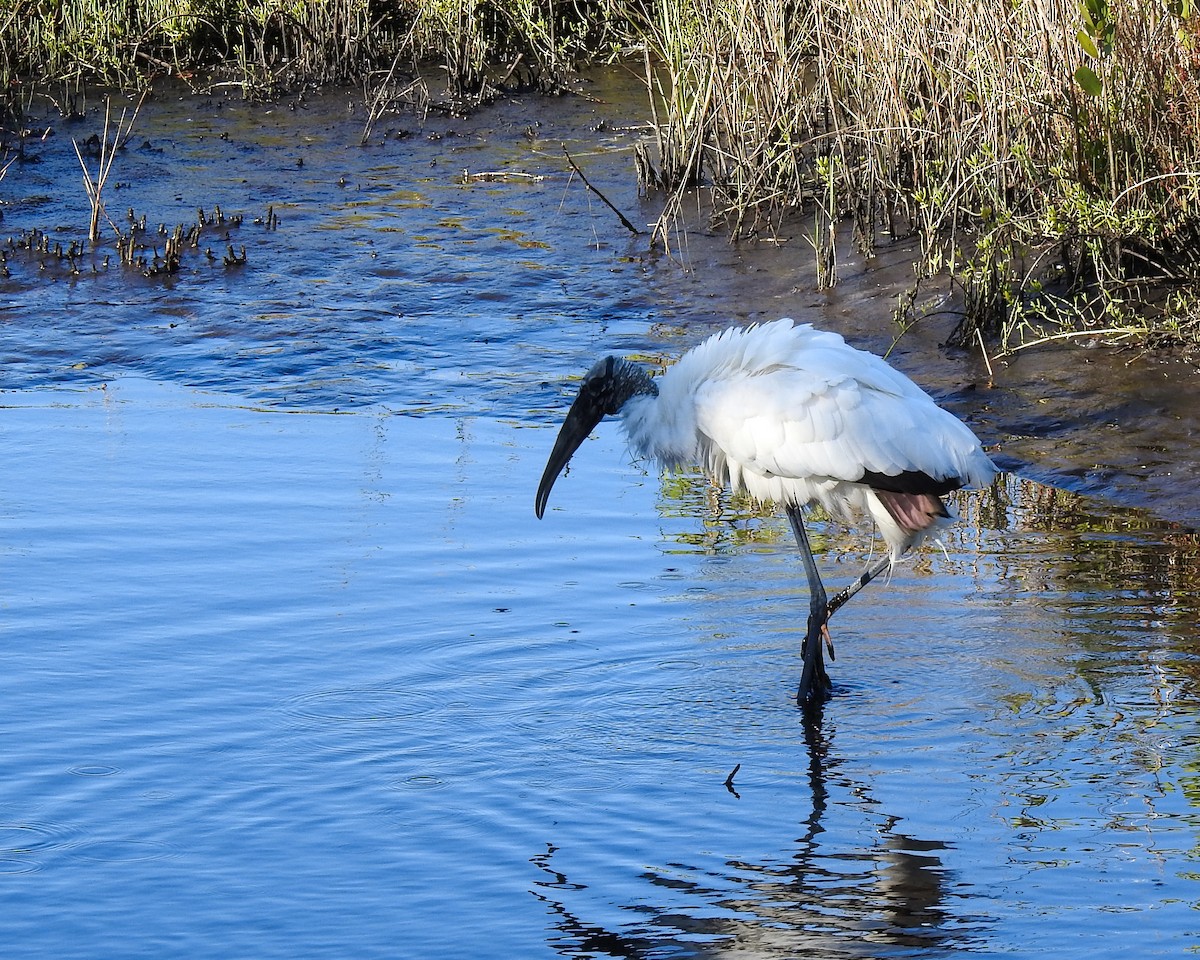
[(661, 430)]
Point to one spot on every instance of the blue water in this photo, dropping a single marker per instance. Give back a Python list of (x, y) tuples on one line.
[(290, 670)]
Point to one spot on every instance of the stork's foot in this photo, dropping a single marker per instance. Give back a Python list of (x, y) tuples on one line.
[(814, 691), (815, 685), (828, 641)]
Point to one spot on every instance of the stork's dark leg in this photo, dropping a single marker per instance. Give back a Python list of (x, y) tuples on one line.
[(814, 681), (868, 575)]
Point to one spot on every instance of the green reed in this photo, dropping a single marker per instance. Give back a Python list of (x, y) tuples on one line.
[(268, 45)]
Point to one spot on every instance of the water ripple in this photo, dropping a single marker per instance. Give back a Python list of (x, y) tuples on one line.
[(362, 705), (422, 781), (32, 836), (94, 770), (122, 851)]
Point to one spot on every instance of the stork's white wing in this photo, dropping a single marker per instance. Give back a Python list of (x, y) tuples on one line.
[(833, 413)]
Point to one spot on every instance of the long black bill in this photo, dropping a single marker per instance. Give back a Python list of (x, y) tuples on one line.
[(581, 420)]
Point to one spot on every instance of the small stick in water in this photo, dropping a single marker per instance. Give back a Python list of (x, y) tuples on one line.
[(624, 221), (729, 781)]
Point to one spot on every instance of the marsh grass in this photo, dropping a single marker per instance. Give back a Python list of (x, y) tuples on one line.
[(270, 45), (263, 45), (1045, 154)]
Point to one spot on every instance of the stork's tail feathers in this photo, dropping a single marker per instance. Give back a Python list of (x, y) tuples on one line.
[(914, 512), (910, 517)]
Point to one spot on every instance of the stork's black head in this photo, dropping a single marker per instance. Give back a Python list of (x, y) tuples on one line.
[(605, 389)]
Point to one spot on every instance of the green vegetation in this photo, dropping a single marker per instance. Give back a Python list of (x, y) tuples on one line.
[(124, 42), (1045, 155), (272, 45)]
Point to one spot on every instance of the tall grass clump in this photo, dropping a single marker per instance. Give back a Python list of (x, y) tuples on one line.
[(522, 44), (268, 45), (270, 41), (1045, 153)]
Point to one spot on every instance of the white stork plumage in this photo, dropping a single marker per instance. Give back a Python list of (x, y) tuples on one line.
[(795, 416)]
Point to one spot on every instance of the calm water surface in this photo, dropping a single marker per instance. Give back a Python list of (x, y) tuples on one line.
[(290, 669)]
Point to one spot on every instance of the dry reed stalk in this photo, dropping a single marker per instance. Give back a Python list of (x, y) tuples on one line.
[(984, 128), (95, 185)]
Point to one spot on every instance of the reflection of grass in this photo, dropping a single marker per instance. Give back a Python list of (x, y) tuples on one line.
[(725, 521), (1136, 578), (1115, 549), (1023, 504), (736, 521)]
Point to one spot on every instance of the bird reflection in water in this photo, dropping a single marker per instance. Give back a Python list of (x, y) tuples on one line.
[(886, 897)]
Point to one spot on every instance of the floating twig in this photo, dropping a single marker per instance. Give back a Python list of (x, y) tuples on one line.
[(624, 221), (490, 176), (729, 781)]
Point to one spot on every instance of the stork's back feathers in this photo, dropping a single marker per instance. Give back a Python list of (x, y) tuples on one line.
[(791, 414)]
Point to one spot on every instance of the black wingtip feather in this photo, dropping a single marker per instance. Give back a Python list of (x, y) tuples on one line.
[(911, 481)]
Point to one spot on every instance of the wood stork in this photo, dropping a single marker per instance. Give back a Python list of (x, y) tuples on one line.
[(794, 416)]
